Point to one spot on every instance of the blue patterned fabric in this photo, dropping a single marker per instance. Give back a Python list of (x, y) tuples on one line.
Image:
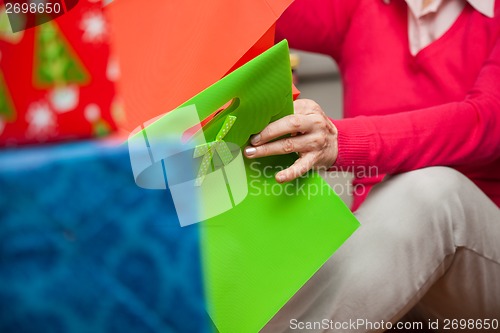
[(83, 249)]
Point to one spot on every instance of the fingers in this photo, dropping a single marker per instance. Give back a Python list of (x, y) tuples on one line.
[(286, 125), (310, 133), (297, 169), (299, 122), (280, 147), (306, 107), (295, 144)]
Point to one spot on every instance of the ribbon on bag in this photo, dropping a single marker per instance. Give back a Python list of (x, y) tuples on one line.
[(208, 150)]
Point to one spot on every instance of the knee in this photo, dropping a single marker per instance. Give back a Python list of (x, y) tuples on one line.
[(432, 187), (430, 201), (416, 210), (425, 206)]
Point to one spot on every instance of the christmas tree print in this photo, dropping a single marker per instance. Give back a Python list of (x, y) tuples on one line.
[(56, 64), (7, 112), (58, 67), (100, 127), (6, 30)]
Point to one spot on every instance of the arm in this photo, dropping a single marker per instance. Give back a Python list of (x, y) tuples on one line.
[(316, 25), (453, 134)]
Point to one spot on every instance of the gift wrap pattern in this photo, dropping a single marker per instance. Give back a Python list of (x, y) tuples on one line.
[(83, 249), (57, 80)]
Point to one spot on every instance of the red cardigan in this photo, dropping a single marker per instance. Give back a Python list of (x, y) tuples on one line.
[(404, 112)]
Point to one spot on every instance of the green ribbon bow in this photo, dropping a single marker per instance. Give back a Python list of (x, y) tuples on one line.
[(207, 150)]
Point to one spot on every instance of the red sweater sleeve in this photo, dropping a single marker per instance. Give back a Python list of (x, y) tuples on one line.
[(316, 25), (453, 134)]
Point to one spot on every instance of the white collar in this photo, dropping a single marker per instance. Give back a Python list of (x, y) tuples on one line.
[(485, 7)]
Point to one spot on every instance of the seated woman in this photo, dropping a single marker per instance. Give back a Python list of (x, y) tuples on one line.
[(422, 105)]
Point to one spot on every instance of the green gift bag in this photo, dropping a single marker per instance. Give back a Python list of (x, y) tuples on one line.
[(259, 250)]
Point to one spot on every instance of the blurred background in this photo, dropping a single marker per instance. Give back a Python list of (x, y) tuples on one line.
[(319, 80)]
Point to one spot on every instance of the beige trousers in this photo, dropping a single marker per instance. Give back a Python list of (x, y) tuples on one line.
[(429, 244)]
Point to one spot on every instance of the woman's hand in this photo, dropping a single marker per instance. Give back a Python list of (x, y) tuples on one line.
[(314, 138)]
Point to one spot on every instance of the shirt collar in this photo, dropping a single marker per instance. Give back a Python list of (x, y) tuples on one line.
[(485, 7), (416, 7)]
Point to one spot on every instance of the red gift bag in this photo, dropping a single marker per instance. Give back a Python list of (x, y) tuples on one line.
[(57, 79)]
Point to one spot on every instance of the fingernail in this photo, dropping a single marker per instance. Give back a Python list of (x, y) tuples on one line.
[(255, 139), (249, 151), (280, 178)]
